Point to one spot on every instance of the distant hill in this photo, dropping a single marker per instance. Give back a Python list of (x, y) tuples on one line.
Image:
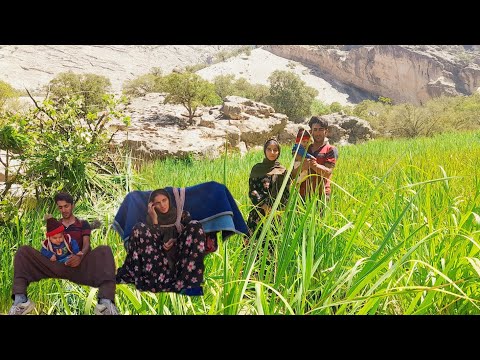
[(346, 74), (33, 66)]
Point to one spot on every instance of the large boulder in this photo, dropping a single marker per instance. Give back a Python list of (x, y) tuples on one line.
[(239, 108), (349, 129)]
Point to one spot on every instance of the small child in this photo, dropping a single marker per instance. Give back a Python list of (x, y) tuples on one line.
[(301, 142), (58, 246)]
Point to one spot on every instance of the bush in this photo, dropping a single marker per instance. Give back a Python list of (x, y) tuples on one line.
[(196, 67), (319, 108), (335, 107), (144, 84), (7, 92), (290, 95), (226, 85), (437, 115), (66, 148), (88, 87), (140, 86)]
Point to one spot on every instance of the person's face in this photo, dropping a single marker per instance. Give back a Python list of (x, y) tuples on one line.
[(318, 133), (65, 208), (271, 152), (305, 142), (57, 238), (161, 203)]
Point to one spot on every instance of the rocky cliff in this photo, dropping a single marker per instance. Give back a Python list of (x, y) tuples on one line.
[(401, 72)]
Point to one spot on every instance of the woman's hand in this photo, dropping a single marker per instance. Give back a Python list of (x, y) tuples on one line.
[(152, 213), (266, 208), (168, 245)]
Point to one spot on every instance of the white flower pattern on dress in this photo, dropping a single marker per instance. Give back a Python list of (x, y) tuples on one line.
[(147, 265), (191, 266)]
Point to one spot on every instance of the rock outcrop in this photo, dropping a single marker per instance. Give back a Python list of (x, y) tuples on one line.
[(160, 130), (347, 129), (403, 73)]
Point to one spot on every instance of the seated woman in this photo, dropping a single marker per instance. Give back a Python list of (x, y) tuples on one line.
[(265, 181), (166, 253), (211, 203)]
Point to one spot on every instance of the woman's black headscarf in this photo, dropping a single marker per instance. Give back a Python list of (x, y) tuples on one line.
[(169, 218), (268, 167)]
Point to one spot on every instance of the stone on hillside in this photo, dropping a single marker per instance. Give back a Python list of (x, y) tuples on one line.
[(236, 108), (347, 128), (289, 133)]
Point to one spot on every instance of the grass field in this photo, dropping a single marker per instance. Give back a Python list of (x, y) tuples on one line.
[(400, 236)]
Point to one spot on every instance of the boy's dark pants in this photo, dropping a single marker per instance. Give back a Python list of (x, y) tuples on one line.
[(97, 269)]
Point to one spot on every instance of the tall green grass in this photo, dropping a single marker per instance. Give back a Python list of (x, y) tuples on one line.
[(399, 236)]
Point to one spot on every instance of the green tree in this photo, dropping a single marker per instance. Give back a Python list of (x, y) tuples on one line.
[(144, 84), (89, 87), (407, 120), (191, 91), (319, 108), (336, 107), (260, 93), (376, 113), (256, 92), (140, 86), (6, 92), (385, 100), (224, 85), (290, 95)]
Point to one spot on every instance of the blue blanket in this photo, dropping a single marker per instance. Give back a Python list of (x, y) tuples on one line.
[(210, 203)]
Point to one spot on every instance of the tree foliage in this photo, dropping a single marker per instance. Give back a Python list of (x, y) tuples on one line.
[(437, 115), (7, 92), (144, 84), (226, 85), (89, 87), (13, 142), (191, 91), (60, 147), (140, 86), (290, 95)]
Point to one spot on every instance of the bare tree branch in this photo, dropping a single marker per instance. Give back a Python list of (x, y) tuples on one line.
[(3, 163), (111, 137), (98, 127), (43, 111)]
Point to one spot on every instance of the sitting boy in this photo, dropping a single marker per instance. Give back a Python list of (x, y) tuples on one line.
[(58, 246)]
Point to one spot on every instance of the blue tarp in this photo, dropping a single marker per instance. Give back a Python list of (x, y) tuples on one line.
[(210, 203)]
